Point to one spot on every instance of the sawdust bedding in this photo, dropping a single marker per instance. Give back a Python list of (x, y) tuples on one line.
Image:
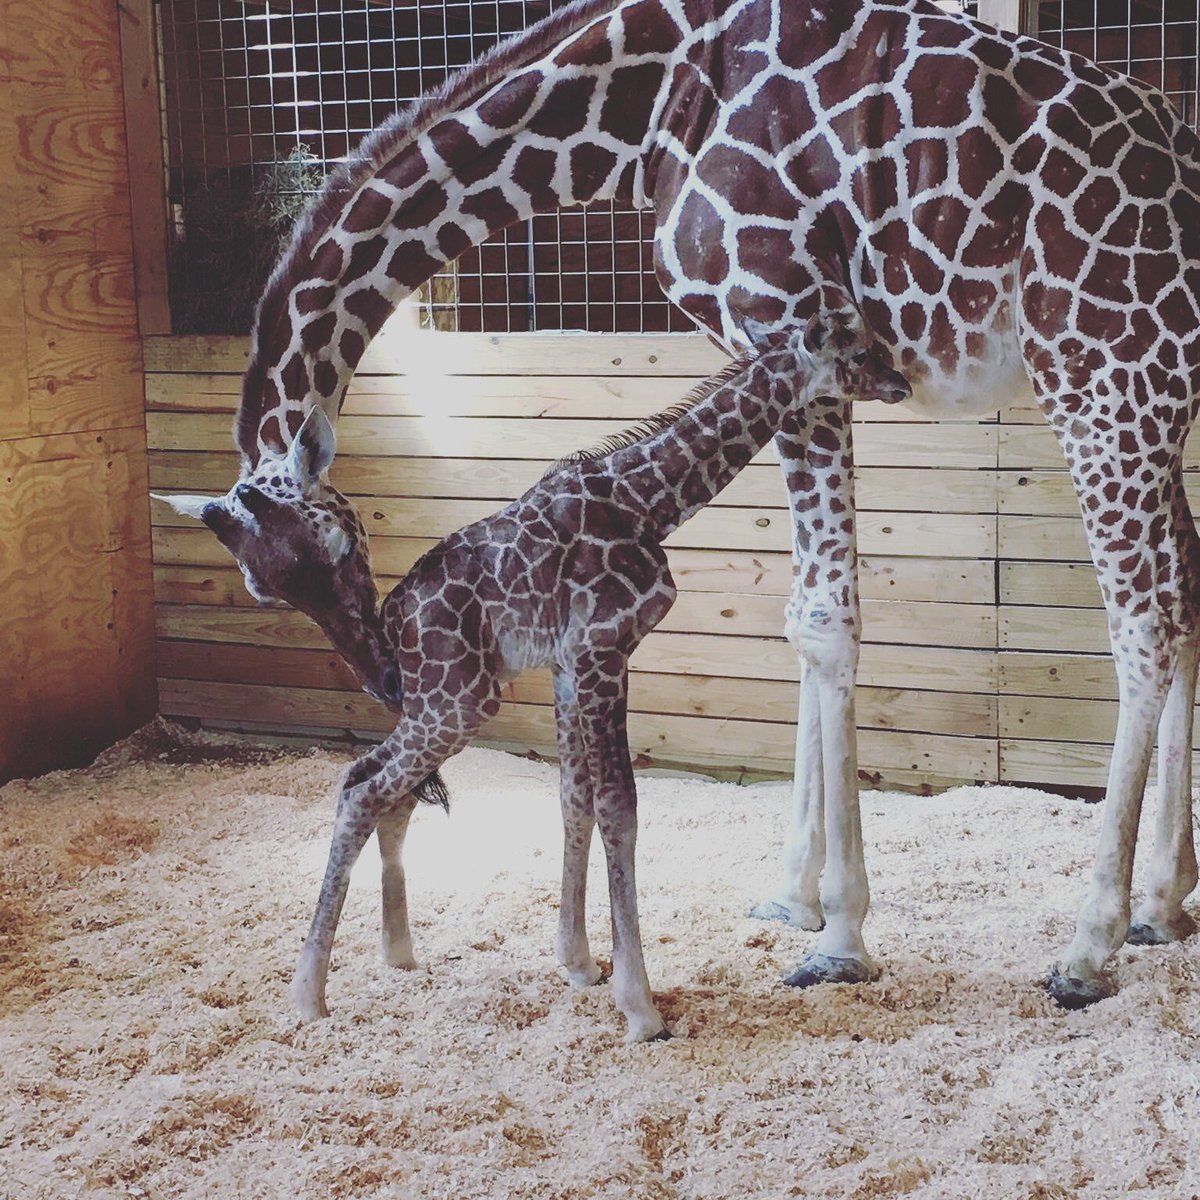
[(153, 906)]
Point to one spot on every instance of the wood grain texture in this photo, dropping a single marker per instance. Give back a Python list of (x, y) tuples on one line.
[(76, 626)]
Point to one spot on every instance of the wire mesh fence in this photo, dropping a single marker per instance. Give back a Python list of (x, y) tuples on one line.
[(1155, 42), (263, 99)]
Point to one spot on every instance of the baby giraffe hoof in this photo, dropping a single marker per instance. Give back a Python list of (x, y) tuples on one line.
[(799, 916), (1072, 994), (1154, 933), (822, 968)]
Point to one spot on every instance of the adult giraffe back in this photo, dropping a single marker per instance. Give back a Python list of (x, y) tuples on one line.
[(1006, 217)]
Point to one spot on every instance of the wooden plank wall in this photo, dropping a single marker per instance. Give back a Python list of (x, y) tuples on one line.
[(76, 650), (440, 429)]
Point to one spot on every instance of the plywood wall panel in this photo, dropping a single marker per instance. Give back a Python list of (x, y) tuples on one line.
[(76, 627)]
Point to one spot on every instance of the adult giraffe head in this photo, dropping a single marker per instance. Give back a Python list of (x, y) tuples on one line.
[(295, 537)]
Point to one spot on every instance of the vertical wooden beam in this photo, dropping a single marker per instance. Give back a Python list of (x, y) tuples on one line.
[(147, 180), (1017, 16)]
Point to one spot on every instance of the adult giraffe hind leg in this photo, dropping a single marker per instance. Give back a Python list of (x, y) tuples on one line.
[(825, 872), (1160, 917), (1141, 559)]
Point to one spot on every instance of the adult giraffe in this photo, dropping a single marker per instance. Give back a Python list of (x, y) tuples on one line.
[(1006, 217)]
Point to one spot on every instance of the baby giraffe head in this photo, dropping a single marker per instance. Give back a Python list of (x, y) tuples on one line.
[(842, 356), (294, 535)]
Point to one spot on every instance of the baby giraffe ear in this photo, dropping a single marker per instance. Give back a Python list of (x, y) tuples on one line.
[(312, 450)]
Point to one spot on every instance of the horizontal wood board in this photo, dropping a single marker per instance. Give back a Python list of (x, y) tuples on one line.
[(983, 638)]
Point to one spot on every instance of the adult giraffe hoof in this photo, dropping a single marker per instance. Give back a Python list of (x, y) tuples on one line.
[(648, 1030), (799, 916), (1072, 994), (1156, 933), (821, 968)]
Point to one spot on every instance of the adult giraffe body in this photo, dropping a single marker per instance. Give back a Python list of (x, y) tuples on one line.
[(1007, 218)]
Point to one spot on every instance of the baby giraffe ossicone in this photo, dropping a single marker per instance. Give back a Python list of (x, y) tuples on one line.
[(571, 575)]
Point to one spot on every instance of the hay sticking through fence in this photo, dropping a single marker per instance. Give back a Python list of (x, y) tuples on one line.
[(151, 909)]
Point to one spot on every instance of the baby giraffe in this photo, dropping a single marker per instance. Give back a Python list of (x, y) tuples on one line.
[(572, 575)]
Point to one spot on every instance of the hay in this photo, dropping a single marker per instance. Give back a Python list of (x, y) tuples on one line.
[(153, 906)]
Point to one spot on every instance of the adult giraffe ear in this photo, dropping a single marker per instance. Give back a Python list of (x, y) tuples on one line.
[(188, 506), (312, 450)]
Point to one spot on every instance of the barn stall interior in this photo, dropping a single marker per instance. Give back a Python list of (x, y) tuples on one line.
[(161, 152)]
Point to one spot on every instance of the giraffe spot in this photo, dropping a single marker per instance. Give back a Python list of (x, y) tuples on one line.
[(926, 273), (698, 240), (272, 435), (943, 340), (1146, 172), (705, 309), (769, 120), (1038, 78), (927, 161), (753, 189), (491, 208), (318, 333), (1123, 231), (533, 173), (325, 377), (859, 63), (980, 160), (294, 377), (1061, 173), (940, 88), (370, 210), (564, 112), (591, 166), (294, 418), (938, 32), (993, 52), (976, 346), (815, 168), (313, 299), (326, 260), (420, 209), (1005, 109), (1028, 153), (648, 29), (1109, 277), (802, 40), (351, 347), (486, 163), (363, 259), (1065, 252), (1177, 312), (1092, 105), (455, 146), (1106, 148), (874, 121), (369, 306), (873, 187), (767, 254), (452, 241), (1045, 308), (1152, 273), (1103, 324), (942, 221), (768, 310), (629, 102), (405, 168), (592, 48), (509, 103), (912, 320), (971, 298)]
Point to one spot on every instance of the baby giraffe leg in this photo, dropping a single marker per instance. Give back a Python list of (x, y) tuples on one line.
[(378, 785), (397, 940), (604, 681), (575, 792)]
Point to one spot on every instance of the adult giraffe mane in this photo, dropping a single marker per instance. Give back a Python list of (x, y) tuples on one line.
[(372, 153)]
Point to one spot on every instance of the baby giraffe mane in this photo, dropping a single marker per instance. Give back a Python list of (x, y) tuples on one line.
[(369, 157), (649, 426)]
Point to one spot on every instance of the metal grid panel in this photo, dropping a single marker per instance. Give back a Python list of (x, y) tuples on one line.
[(263, 100), (1154, 42)]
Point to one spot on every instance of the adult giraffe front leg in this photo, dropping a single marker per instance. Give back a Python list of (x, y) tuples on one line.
[(825, 878)]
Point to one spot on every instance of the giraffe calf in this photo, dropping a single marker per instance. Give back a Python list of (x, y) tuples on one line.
[(572, 575)]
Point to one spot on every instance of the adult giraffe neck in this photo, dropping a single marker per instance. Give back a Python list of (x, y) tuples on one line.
[(558, 116)]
